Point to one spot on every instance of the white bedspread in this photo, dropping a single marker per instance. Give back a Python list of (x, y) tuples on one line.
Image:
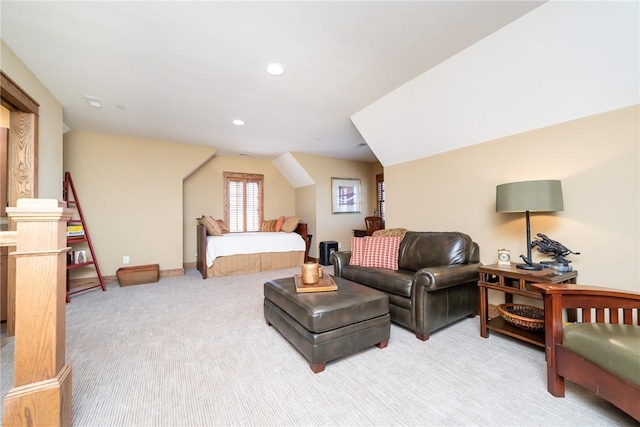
[(252, 243)]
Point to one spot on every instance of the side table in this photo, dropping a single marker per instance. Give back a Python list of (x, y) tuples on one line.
[(359, 233), (514, 281)]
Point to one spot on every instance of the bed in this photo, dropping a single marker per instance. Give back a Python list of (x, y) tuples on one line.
[(239, 253)]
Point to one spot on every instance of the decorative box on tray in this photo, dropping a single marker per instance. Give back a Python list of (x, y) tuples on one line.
[(138, 275)]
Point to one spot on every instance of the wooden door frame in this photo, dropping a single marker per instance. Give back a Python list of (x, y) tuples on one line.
[(22, 165)]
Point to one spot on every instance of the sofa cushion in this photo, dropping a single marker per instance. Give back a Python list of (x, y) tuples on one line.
[(612, 347), (420, 249), (357, 250), (392, 281), (381, 252)]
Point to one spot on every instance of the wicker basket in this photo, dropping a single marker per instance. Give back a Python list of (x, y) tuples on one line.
[(138, 275), (522, 316)]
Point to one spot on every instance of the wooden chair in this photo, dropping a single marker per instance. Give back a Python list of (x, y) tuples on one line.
[(610, 306), (373, 223)]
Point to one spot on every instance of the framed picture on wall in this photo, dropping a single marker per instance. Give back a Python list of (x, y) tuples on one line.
[(345, 195)]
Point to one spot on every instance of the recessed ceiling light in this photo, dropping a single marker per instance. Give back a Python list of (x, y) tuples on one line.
[(94, 101), (275, 69), (238, 122)]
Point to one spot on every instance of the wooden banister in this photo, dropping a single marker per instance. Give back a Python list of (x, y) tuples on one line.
[(41, 393), (8, 238)]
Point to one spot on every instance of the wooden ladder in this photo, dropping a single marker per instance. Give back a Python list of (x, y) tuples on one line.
[(71, 197)]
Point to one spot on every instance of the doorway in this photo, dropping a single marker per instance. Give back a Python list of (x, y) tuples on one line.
[(22, 172)]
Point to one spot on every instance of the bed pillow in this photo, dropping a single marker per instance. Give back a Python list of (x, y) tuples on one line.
[(279, 223), (217, 231), (357, 250), (290, 224), (269, 225), (203, 220), (223, 226), (381, 252)]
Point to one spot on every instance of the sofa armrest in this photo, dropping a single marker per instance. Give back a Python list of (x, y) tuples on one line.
[(434, 278), (340, 259)]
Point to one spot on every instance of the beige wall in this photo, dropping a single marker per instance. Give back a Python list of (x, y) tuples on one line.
[(597, 159), (338, 227), (50, 125), (204, 193), (131, 194)]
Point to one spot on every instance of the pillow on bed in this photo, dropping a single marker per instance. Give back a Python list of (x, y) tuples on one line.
[(269, 225), (381, 252), (279, 223), (216, 226), (223, 226), (211, 230), (290, 224)]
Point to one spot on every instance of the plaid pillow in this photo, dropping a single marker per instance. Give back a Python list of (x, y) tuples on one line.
[(357, 250), (381, 252)]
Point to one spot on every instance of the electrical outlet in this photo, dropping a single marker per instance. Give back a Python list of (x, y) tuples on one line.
[(339, 245), (125, 259)]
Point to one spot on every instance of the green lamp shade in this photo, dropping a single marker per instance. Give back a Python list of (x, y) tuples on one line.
[(532, 196)]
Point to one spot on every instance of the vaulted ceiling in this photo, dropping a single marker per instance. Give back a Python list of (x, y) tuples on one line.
[(183, 71)]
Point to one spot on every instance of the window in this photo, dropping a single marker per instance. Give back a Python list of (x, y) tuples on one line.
[(243, 201), (380, 195)]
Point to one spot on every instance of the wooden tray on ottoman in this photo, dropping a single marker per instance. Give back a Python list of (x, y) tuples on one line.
[(128, 276), (325, 284)]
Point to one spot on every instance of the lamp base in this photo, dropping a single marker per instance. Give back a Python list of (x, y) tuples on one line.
[(529, 266)]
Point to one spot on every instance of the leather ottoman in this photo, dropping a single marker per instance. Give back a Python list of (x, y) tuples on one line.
[(325, 326)]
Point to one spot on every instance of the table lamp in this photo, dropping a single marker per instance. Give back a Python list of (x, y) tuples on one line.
[(529, 196)]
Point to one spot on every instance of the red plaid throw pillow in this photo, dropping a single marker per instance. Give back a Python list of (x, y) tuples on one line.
[(381, 252), (357, 250)]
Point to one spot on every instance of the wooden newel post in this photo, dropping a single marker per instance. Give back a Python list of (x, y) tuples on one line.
[(41, 393)]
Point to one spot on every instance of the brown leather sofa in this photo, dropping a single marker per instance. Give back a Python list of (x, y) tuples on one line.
[(435, 285)]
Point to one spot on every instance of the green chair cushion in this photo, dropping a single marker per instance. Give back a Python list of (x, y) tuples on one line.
[(613, 347)]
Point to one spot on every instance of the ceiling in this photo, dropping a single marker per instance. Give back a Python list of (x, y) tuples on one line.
[(182, 71)]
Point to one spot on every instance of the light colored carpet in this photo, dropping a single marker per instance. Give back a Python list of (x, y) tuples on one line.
[(192, 352)]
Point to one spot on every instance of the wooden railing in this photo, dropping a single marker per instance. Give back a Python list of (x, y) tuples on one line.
[(41, 393)]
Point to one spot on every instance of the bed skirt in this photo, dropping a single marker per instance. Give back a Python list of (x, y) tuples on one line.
[(252, 263)]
